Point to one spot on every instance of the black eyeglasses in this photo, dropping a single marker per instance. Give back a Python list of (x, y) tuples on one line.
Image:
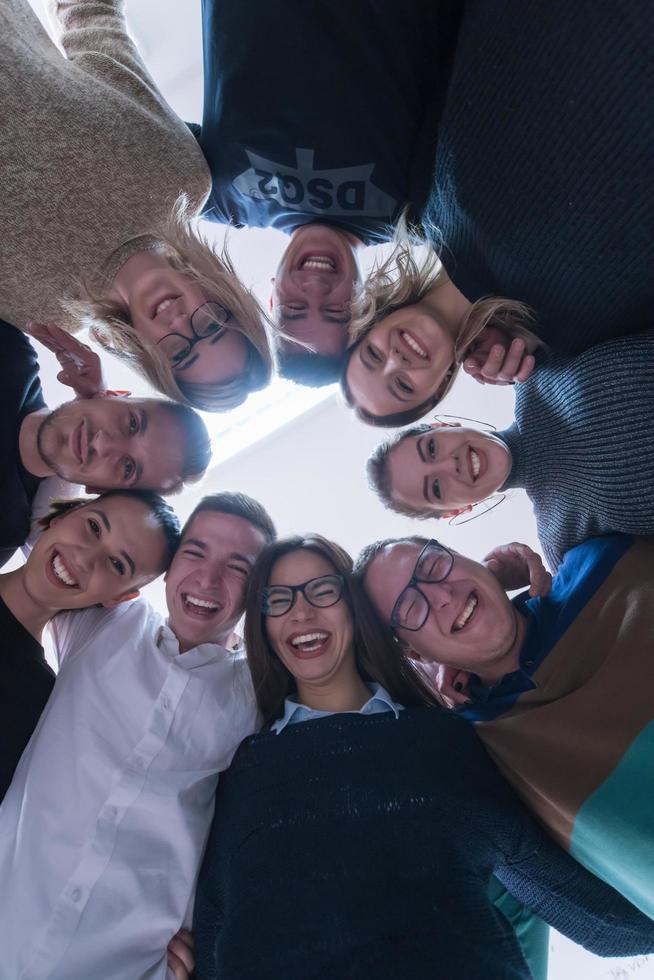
[(321, 592), (209, 320), (411, 609)]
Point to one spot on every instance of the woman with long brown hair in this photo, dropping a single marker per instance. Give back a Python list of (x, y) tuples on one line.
[(356, 835)]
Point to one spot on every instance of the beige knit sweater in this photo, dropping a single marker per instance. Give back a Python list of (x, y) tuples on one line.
[(92, 156)]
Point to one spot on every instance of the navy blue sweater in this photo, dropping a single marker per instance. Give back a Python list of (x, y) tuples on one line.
[(543, 185), (362, 846), (323, 111)]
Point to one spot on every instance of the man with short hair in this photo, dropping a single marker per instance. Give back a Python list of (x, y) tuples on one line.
[(102, 442), (548, 681), (104, 825), (319, 120)]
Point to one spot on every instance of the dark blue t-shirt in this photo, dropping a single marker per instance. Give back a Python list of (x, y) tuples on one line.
[(323, 111), (20, 394)]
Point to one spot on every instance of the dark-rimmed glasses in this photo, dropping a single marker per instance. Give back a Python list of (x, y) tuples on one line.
[(321, 592), (209, 320), (411, 609)]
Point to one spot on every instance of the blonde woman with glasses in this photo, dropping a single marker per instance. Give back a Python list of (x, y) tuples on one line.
[(101, 184)]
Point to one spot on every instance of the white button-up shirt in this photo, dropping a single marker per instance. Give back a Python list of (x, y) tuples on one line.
[(104, 825)]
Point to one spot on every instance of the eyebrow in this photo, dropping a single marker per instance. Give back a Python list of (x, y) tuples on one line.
[(143, 421), (248, 559), (105, 520), (420, 452), (392, 391), (195, 542)]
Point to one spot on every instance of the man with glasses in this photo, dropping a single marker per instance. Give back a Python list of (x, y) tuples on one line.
[(103, 865), (548, 682)]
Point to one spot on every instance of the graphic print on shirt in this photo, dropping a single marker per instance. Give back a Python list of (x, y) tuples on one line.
[(340, 191)]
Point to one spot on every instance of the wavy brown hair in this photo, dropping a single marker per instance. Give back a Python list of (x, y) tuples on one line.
[(404, 278), (376, 654)]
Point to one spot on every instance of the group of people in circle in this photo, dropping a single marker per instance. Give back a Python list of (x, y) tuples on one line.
[(417, 772)]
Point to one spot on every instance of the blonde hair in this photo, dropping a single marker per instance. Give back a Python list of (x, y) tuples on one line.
[(409, 273), (189, 252)]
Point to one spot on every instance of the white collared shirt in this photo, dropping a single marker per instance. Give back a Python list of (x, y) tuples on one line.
[(103, 828), (294, 712)]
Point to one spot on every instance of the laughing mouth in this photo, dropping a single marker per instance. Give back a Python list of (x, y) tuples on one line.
[(61, 572), (468, 612), (475, 463), (414, 345), (318, 263), (197, 606), (309, 642), (163, 305)]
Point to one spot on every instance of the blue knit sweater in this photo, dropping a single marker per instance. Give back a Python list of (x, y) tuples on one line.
[(362, 846), (582, 443)]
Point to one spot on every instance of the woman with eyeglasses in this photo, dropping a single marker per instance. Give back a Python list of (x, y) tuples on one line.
[(580, 446), (342, 845), (98, 226)]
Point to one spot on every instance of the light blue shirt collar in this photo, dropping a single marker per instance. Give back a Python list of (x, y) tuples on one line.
[(294, 712)]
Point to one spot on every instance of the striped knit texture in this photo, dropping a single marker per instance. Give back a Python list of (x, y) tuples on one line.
[(542, 185), (582, 443)]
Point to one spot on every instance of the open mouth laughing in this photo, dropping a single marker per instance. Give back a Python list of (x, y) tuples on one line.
[(413, 345), (60, 573), (466, 614), (199, 607), (317, 263), (312, 644), (163, 304)]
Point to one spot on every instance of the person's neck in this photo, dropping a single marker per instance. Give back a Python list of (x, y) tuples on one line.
[(32, 614), (449, 306), (509, 660), (508, 459), (345, 692), (28, 444)]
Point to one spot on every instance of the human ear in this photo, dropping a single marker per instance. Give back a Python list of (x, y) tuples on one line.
[(113, 603)]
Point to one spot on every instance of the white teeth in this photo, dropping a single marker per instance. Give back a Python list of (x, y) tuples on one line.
[(62, 572), (471, 605), (408, 339), (474, 459), (203, 603), (320, 262), (311, 641), (164, 305)]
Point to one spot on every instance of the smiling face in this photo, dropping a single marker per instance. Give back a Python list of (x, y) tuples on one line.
[(401, 363), (313, 286), (471, 623), (207, 579), (447, 468), (96, 554), (316, 644), (113, 443), (161, 300)]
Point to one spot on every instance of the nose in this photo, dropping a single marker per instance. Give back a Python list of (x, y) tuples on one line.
[(211, 576), (440, 593), (315, 285), (104, 443), (302, 610), (397, 360)]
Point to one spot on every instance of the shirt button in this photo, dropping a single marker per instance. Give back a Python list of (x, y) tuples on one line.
[(111, 813), (165, 702), (76, 894), (139, 762)]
